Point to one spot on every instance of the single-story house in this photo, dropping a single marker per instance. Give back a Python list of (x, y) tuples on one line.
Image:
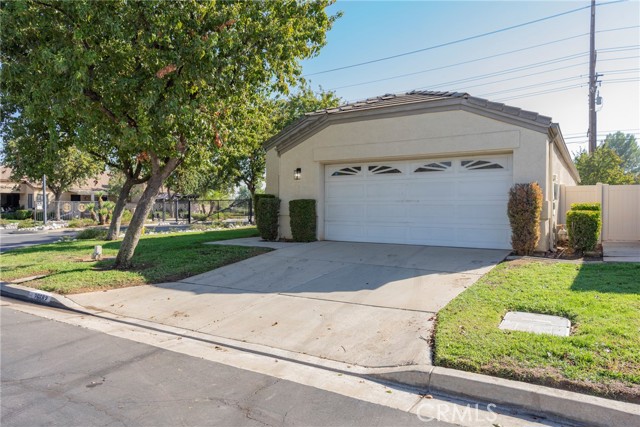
[(24, 194), (428, 168)]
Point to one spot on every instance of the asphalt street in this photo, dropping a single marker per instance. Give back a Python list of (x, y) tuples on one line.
[(18, 239), (59, 374)]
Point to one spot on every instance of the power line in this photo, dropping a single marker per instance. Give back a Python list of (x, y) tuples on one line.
[(477, 36), (561, 89), (479, 59)]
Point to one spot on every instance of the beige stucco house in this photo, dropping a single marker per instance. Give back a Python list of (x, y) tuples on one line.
[(430, 168), (24, 193)]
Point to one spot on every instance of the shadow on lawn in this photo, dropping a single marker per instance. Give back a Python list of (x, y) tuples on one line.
[(622, 278)]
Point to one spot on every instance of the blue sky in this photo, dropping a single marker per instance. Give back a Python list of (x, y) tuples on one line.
[(370, 30)]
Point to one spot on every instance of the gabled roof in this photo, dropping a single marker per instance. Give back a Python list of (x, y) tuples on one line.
[(409, 103)]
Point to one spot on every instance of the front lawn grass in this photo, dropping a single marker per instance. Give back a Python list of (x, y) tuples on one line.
[(158, 258), (602, 354)]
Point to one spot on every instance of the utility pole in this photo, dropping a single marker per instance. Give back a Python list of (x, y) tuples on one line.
[(44, 199), (593, 127)]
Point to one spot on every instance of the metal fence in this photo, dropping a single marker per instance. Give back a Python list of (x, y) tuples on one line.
[(191, 211), (176, 210), (68, 210)]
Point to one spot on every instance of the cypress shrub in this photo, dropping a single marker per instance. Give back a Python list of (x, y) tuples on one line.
[(302, 214), (583, 227), (267, 210), (525, 205), (256, 199), (585, 207)]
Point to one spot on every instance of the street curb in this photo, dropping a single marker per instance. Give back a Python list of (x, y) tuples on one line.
[(530, 398), (36, 296)]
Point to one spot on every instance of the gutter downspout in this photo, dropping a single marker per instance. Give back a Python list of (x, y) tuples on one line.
[(551, 192)]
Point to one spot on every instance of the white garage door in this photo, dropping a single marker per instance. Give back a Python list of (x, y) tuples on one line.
[(458, 201)]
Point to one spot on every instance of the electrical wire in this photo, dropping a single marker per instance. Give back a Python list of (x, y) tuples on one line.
[(465, 39)]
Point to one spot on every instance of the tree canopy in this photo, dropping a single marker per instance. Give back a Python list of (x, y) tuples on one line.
[(603, 166), (625, 146), (156, 78)]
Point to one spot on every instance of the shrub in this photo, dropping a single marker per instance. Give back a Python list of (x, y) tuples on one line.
[(585, 207), (525, 205), (81, 222), (27, 223), (23, 214), (302, 215), (9, 215), (126, 217), (199, 216), (95, 233), (256, 200), (584, 228), (267, 210)]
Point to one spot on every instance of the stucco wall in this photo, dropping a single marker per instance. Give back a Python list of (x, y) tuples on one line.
[(411, 136)]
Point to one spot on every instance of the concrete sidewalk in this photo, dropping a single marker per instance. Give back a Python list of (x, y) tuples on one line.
[(370, 305), (621, 251)]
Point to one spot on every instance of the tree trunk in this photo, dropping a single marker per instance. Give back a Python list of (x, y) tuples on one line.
[(116, 218), (145, 204), (252, 191)]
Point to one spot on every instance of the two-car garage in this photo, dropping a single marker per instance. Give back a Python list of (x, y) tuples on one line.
[(456, 201)]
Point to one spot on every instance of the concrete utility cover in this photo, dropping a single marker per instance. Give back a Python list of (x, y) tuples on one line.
[(536, 323)]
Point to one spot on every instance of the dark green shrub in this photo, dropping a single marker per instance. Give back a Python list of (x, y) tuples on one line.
[(267, 210), (302, 216), (24, 214), (585, 207), (199, 216), (584, 228), (525, 205), (256, 199), (95, 233), (9, 215)]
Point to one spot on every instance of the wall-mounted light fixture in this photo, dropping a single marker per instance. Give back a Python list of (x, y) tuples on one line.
[(297, 173)]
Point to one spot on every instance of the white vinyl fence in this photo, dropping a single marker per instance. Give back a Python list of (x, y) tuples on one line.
[(620, 208)]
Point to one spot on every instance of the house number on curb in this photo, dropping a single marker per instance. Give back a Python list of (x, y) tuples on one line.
[(39, 297)]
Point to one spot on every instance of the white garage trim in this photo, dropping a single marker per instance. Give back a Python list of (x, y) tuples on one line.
[(458, 201)]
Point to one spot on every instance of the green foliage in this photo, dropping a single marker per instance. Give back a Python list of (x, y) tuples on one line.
[(625, 146), (126, 217), (23, 214), (603, 166), (302, 214), (601, 300), (161, 258), (524, 207), (27, 223), (81, 223), (583, 227), (585, 207), (256, 200), (151, 81), (267, 210), (94, 233)]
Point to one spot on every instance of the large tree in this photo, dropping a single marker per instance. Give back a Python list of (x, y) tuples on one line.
[(33, 149), (160, 78), (243, 161), (625, 146), (604, 166)]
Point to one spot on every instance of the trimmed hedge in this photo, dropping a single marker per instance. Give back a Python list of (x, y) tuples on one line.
[(524, 207), (585, 207), (256, 199), (267, 211), (302, 216), (584, 228), (24, 214)]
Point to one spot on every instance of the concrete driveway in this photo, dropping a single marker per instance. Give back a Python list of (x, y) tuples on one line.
[(371, 305)]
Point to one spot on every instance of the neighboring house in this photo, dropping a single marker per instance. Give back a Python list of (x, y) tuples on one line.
[(24, 194), (428, 168)]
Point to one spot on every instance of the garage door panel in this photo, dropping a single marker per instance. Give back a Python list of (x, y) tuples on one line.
[(459, 206), (345, 191)]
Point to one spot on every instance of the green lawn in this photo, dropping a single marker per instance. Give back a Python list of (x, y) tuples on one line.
[(158, 258), (602, 355)]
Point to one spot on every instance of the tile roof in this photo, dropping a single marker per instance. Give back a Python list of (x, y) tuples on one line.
[(418, 96)]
